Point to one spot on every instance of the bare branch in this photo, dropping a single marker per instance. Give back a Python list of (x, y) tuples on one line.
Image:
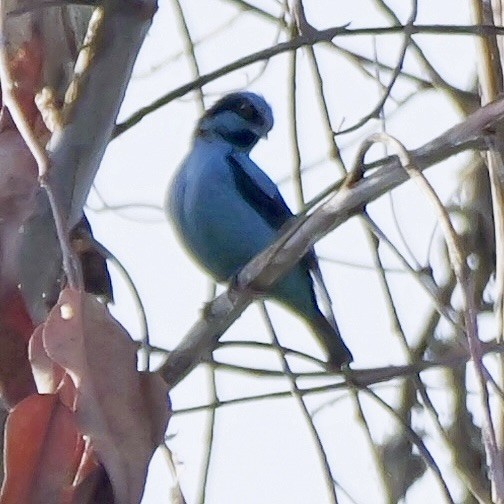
[(268, 266)]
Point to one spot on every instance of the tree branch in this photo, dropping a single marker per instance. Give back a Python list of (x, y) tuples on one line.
[(277, 259), (314, 37)]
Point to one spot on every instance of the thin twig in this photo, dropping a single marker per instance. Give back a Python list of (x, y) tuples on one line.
[(210, 436), (293, 129), (461, 271), (375, 112), (469, 479), (177, 497), (301, 41), (418, 442), (380, 467), (423, 277), (137, 300), (294, 389), (361, 378), (463, 99), (189, 49)]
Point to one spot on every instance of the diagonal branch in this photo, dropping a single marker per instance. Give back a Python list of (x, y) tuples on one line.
[(277, 259)]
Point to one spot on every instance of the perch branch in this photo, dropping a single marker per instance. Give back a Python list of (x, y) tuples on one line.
[(272, 263)]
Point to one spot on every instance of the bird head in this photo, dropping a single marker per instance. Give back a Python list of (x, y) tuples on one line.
[(241, 119)]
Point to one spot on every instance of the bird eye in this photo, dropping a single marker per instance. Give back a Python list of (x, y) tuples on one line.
[(249, 113)]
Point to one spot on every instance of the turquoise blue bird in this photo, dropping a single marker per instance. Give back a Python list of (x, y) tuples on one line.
[(226, 210)]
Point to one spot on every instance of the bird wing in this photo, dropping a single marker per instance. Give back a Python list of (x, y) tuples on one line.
[(259, 191), (262, 194)]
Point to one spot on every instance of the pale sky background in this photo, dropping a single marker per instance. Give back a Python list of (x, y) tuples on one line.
[(263, 452)]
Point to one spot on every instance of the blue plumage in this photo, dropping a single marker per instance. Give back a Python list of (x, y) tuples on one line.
[(227, 210)]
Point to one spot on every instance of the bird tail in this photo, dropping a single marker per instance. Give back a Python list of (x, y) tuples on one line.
[(330, 338), (324, 324)]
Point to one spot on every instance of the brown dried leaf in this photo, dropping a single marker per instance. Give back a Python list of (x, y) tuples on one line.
[(47, 373), (95, 489), (43, 449), (114, 402)]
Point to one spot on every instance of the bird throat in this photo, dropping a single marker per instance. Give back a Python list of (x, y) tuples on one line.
[(243, 139)]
